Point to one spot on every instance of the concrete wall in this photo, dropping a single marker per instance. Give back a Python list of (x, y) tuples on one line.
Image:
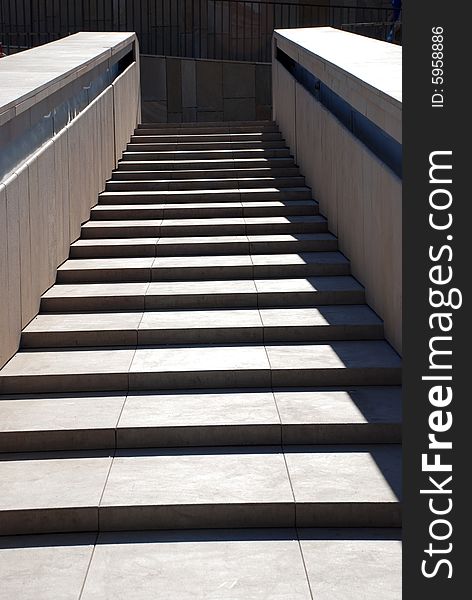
[(178, 90), (48, 195), (218, 29), (358, 193)]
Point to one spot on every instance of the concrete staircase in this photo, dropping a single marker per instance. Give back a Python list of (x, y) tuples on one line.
[(205, 361)]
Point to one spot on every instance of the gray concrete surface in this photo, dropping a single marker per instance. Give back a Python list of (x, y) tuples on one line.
[(48, 193), (360, 195), (184, 90)]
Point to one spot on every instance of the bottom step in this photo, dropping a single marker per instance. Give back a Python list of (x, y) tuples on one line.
[(265, 486), (275, 564)]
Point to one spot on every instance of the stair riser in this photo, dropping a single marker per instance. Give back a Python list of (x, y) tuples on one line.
[(233, 300), (200, 273), (199, 516), (202, 230), (213, 249), (206, 129), (205, 154), (231, 125), (188, 436), (203, 164), (194, 138), (37, 384), (140, 175), (118, 251), (164, 197), (143, 145), (221, 335), (207, 212), (217, 184), (180, 437)]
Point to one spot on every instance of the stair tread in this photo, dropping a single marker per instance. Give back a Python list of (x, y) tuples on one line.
[(216, 239), (205, 220), (223, 152), (231, 173), (312, 284), (197, 192), (69, 421), (207, 205), (366, 477), (208, 319), (163, 366), (128, 564), (205, 408), (211, 260)]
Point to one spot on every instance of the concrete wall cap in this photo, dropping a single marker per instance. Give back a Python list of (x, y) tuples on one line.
[(374, 64), (32, 75)]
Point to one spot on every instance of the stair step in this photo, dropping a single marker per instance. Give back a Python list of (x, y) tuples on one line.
[(163, 367), (190, 155), (204, 195), (206, 128), (305, 486), (205, 164), (222, 245), (196, 174), (204, 227), (145, 144), (231, 125), (212, 209), (251, 183), (313, 291), (174, 268), (114, 248), (84, 421), (167, 564), (143, 136), (210, 326)]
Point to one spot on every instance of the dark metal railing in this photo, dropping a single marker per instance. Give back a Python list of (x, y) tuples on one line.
[(221, 29)]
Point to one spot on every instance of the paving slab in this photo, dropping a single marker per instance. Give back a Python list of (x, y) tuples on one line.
[(362, 565), (221, 244), (322, 323), (114, 247), (187, 418), (51, 492), (195, 488), (121, 228), (342, 289), (91, 296), (59, 421), (200, 326), (281, 225), (67, 370), (369, 362), (300, 264), (346, 485), (196, 294), (101, 270), (352, 415), (41, 567), (209, 226), (198, 565), (199, 367), (202, 267), (82, 329)]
